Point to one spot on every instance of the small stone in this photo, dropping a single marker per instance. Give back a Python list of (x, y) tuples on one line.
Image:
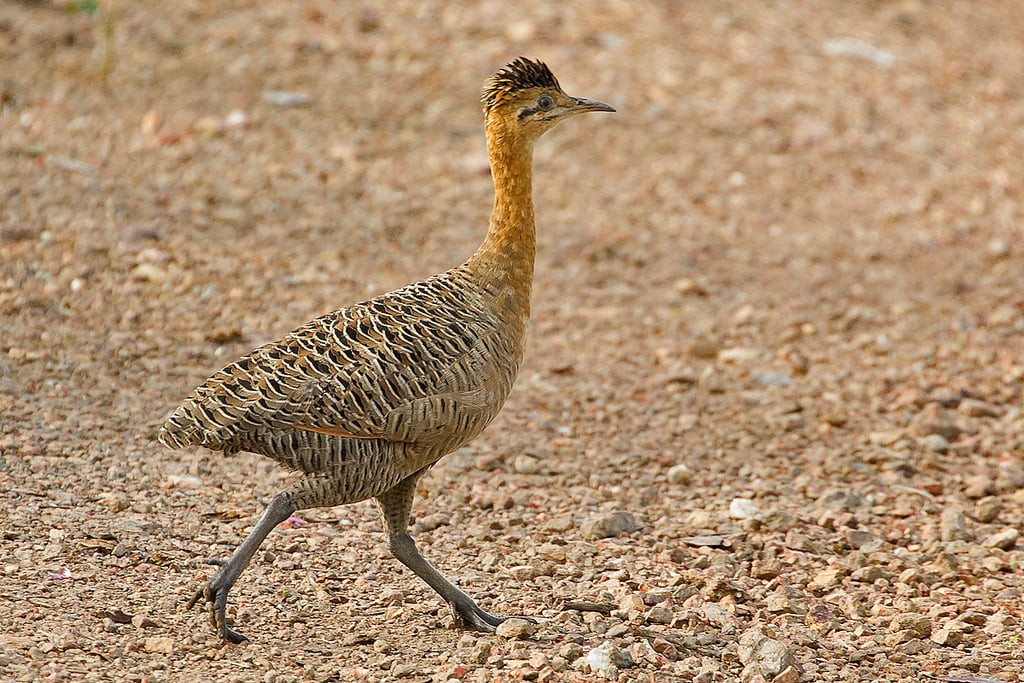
[(979, 486), (527, 464), (687, 286), (660, 615), (608, 656), (632, 602), (825, 580), (868, 574), (737, 354), (679, 475), (159, 644), (935, 443), (894, 638), (766, 567), (570, 651), (140, 621), (763, 656), (934, 419), (405, 670), (998, 247), (187, 482), (778, 520), (285, 98), (516, 628), (919, 624), (561, 524), (608, 526), (705, 347), (975, 408), (522, 572), (857, 538), (786, 601), (947, 637), (149, 272), (1004, 539), (550, 551), (820, 618), (953, 526), (987, 509), (1010, 476), (718, 615), (788, 675), (915, 646), (743, 508)]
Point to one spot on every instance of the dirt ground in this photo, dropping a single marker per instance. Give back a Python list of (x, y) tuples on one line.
[(777, 320)]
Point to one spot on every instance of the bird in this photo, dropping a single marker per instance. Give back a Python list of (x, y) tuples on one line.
[(364, 400)]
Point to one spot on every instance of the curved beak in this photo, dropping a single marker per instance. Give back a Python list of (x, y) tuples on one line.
[(581, 105)]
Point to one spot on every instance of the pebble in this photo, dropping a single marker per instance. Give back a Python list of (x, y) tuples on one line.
[(953, 526), (516, 628), (868, 574), (149, 272), (947, 636), (987, 509), (918, 624), (691, 287), (935, 443), (159, 644), (705, 347), (975, 408), (608, 526), (1004, 539), (858, 538), (522, 572), (934, 419), (852, 47), (526, 464), (679, 475), (788, 675), (141, 621), (660, 615), (825, 579), (607, 657), (284, 98), (763, 656), (978, 486), (743, 508)]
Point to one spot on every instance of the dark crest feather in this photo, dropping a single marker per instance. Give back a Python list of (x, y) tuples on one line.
[(518, 74)]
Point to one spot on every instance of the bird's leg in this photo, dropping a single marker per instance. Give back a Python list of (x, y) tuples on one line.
[(395, 508), (215, 592)]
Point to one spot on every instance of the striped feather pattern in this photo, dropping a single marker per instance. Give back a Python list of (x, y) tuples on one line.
[(411, 375)]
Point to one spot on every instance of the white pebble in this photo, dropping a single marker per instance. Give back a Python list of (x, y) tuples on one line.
[(743, 508)]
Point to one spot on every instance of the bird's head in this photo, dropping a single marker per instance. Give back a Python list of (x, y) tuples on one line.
[(525, 96)]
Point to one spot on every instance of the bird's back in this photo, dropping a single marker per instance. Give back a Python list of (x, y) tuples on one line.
[(410, 375)]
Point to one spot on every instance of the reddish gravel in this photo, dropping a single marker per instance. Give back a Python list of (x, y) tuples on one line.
[(776, 342)]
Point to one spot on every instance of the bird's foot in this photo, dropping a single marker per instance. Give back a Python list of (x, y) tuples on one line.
[(215, 595), (470, 617)]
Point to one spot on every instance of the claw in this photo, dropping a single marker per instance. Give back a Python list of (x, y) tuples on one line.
[(216, 598), (472, 618)]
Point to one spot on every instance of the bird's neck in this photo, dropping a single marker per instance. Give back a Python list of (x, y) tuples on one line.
[(504, 262)]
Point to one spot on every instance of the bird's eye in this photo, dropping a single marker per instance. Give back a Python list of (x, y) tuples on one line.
[(544, 102)]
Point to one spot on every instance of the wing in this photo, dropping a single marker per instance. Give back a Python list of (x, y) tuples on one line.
[(401, 367)]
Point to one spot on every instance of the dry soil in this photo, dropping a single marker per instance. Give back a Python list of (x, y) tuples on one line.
[(776, 333)]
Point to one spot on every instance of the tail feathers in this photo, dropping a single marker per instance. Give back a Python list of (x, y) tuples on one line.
[(182, 430)]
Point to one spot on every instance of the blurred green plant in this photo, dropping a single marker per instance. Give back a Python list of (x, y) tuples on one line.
[(105, 29), (85, 6)]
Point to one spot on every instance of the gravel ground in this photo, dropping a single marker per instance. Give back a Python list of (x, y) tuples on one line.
[(770, 424)]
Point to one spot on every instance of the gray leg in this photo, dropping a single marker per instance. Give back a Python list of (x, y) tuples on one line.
[(215, 592), (395, 507)]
